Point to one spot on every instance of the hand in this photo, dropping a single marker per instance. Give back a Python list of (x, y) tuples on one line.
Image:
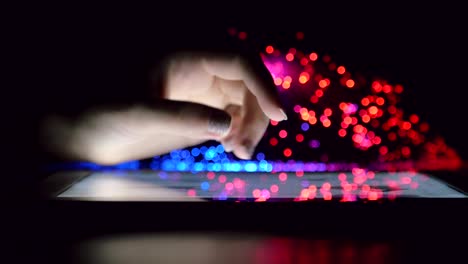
[(227, 98)]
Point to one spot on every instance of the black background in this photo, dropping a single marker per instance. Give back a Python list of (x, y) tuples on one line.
[(422, 47), (66, 56)]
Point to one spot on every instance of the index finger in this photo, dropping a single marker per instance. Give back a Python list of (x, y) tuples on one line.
[(254, 74)]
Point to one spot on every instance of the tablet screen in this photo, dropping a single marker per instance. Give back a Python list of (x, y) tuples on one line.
[(358, 184)]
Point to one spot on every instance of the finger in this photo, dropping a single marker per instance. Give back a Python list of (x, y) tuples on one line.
[(150, 146), (256, 77), (229, 142), (252, 128), (178, 118)]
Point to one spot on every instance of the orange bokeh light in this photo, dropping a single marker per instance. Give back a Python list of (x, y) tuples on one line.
[(313, 56), (304, 77), (323, 83), (350, 83), (373, 110), (278, 81), (312, 120), (347, 120), (366, 118)]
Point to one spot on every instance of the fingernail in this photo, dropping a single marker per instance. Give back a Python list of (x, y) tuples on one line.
[(219, 123), (285, 117)]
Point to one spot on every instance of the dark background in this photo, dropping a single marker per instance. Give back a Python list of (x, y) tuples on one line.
[(63, 54), (68, 55)]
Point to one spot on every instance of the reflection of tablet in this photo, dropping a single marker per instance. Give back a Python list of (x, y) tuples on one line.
[(141, 185)]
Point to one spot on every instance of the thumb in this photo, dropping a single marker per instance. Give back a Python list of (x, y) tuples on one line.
[(186, 119)]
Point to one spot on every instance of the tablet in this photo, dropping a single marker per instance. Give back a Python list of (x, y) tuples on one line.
[(157, 185)]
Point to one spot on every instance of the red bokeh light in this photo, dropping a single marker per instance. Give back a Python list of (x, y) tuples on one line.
[(269, 49), (350, 83), (283, 134), (313, 56), (341, 70)]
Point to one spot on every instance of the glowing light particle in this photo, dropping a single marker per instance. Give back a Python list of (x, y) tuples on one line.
[(273, 141), (323, 83), (297, 108), (278, 81), (350, 83), (314, 143), (380, 101), (366, 118), (283, 134), (342, 132), (269, 49), (205, 186), (256, 193), (406, 151), (377, 86), (406, 180), (342, 177), (312, 120), (372, 196), (242, 35), (289, 57), (210, 175), (222, 178), (365, 101), (287, 152), (373, 110), (341, 70), (327, 196), (414, 119), (406, 125), (229, 186), (299, 138), (282, 176), (274, 188), (304, 77), (314, 99), (313, 56)]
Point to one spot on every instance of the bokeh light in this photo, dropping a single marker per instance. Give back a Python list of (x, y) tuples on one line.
[(334, 116)]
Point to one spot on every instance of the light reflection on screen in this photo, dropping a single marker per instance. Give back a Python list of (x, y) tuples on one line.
[(358, 184)]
